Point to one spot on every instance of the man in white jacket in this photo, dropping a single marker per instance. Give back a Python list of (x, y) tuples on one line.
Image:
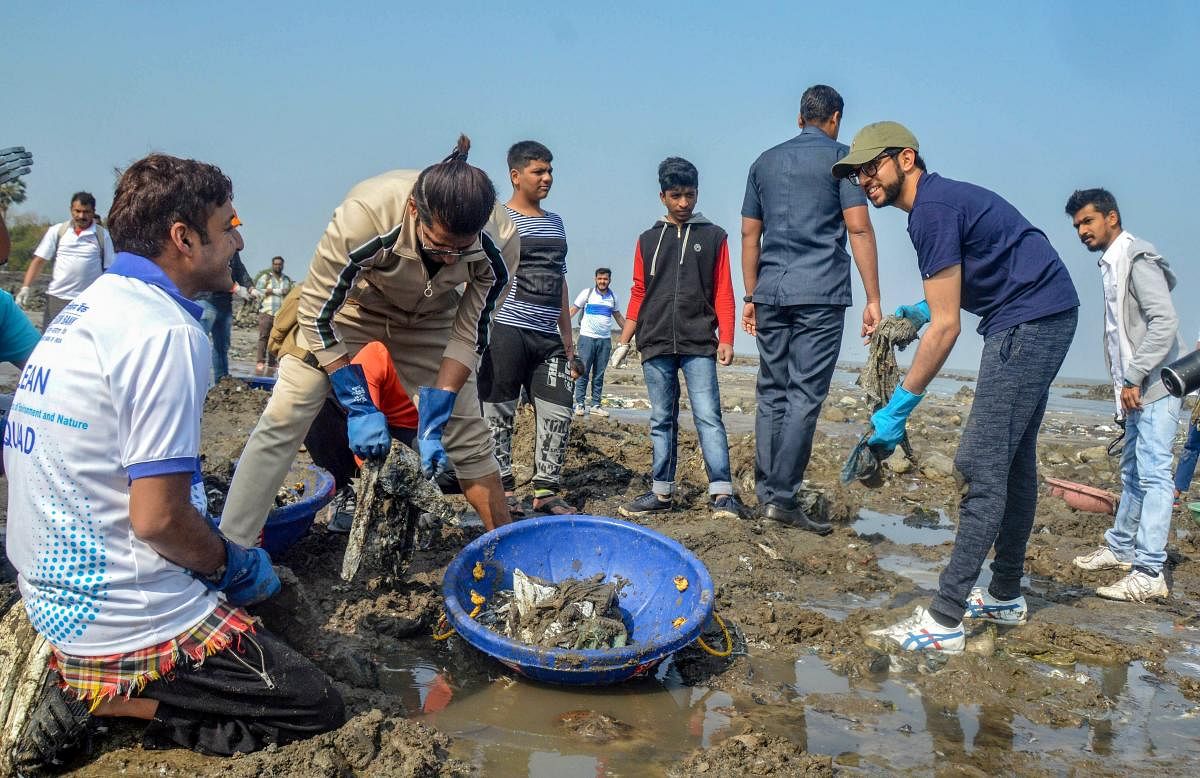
[(1141, 335)]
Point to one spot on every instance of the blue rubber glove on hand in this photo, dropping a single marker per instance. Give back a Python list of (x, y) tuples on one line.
[(366, 426), (889, 420), (917, 313), (434, 407), (249, 577)]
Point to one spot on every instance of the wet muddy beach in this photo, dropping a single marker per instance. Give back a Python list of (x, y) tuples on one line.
[(1087, 687)]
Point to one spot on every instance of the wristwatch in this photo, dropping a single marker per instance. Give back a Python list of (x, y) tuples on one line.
[(748, 298), (216, 575)]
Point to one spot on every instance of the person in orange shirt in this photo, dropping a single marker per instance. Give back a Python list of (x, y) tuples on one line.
[(329, 446)]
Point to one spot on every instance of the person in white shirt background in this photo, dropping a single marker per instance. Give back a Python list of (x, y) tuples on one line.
[(600, 307), (79, 248)]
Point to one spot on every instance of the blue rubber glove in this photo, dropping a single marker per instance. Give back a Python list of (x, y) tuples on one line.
[(917, 313), (249, 577), (889, 420), (366, 426), (434, 407)]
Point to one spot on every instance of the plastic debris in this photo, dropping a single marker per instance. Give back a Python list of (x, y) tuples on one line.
[(681, 583), (573, 613)]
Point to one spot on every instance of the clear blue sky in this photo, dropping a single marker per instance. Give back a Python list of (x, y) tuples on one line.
[(298, 101)]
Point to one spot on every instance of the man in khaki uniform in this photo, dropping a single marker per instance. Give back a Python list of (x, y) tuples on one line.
[(388, 269)]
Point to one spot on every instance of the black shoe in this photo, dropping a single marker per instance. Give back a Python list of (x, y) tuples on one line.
[(58, 729), (646, 504), (727, 506), (795, 517), (345, 503)]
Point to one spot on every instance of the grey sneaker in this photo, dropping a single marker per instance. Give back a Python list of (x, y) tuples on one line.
[(1101, 559), (644, 505), (344, 504), (596, 410), (982, 605), (579, 410)]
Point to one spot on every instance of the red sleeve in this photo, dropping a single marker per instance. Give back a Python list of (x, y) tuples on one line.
[(639, 285), (384, 385), (723, 294)]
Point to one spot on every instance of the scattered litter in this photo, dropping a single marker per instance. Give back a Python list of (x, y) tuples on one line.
[(573, 613), (681, 583), (679, 622)]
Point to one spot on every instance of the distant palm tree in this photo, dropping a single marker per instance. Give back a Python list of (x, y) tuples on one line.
[(11, 194)]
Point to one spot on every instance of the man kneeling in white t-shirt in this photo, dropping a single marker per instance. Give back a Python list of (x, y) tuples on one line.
[(138, 593)]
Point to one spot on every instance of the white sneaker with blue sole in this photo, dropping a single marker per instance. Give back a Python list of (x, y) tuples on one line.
[(920, 632), (982, 605)]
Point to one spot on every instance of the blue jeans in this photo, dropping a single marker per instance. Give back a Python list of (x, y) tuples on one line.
[(1139, 532), (219, 325), (1187, 461), (594, 353), (662, 384)]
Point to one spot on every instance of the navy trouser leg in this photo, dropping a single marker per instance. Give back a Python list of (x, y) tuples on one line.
[(798, 351)]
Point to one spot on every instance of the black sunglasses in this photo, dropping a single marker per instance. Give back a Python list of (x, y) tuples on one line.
[(871, 167)]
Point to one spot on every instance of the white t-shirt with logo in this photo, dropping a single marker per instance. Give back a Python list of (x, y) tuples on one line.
[(78, 259), (112, 393), (597, 312)]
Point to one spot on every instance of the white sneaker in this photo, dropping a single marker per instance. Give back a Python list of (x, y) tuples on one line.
[(1101, 559), (578, 410), (982, 605), (1136, 587), (598, 411), (920, 632)]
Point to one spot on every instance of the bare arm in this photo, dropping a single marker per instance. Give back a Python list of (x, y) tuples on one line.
[(31, 272), (620, 319), (564, 323), (942, 292), (751, 251), (163, 517), (866, 259), (627, 330), (452, 374)]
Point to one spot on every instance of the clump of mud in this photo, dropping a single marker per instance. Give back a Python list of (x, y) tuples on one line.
[(754, 753)]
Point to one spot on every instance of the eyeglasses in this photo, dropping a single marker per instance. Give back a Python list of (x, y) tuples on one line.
[(871, 167), (440, 252)]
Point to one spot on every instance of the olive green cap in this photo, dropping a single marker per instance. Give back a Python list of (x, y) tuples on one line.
[(870, 142)]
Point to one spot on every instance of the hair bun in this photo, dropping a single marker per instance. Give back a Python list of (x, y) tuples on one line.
[(461, 149)]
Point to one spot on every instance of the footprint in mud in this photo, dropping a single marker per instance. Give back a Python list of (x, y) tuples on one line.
[(593, 726)]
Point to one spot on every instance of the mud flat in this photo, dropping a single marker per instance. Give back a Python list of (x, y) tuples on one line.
[(1088, 687)]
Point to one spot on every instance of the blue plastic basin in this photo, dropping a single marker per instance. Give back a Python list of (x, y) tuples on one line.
[(560, 547), (265, 382), (288, 524)]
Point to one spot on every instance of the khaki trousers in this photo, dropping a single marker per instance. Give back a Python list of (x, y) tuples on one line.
[(416, 344)]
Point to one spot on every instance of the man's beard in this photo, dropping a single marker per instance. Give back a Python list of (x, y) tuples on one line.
[(892, 191)]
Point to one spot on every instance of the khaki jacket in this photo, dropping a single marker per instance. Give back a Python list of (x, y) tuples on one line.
[(369, 257)]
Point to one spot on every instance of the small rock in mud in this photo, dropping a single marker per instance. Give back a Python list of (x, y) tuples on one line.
[(899, 462), (937, 465), (1093, 454), (593, 726)]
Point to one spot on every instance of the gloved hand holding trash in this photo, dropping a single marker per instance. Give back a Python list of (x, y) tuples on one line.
[(619, 354), (434, 408)]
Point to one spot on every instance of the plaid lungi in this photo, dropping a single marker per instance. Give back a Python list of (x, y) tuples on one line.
[(98, 678)]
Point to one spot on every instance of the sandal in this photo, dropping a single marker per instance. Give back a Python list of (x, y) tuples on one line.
[(553, 505), (57, 729)]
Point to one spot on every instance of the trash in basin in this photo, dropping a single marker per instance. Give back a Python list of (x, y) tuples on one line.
[(662, 613), (287, 524)]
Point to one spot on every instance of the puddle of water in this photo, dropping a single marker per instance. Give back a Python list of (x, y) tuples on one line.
[(923, 572), (894, 528), (506, 726)]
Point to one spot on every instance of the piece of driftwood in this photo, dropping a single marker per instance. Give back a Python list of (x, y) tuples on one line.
[(24, 659)]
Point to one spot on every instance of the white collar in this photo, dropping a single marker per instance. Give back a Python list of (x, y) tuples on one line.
[(1115, 250)]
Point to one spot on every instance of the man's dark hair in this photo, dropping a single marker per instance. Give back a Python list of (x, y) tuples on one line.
[(526, 151), (459, 196), (1100, 199), (84, 198), (676, 172), (918, 162), (275, 258), (159, 190), (602, 271), (819, 103)]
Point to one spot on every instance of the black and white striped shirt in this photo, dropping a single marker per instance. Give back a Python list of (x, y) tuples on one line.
[(523, 313)]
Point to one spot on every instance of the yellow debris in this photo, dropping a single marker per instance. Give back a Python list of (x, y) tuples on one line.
[(679, 622), (477, 572), (477, 598), (681, 583)]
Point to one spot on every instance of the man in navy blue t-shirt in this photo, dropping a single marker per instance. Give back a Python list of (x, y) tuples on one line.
[(976, 252)]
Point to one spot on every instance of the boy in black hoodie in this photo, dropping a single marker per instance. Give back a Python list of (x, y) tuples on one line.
[(681, 309)]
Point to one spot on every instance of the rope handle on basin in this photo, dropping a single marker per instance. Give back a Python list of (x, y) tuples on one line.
[(728, 641), (477, 599)]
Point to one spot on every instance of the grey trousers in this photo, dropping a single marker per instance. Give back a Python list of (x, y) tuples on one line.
[(997, 458)]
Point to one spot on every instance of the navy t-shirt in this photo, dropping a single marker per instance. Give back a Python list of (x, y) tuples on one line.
[(1010, 272)]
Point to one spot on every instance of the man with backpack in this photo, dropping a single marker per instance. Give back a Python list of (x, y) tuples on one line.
[(80, 250)]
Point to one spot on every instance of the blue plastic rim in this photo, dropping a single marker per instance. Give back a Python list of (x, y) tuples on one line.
[(265, 382), (288, 524), (560, 547)]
